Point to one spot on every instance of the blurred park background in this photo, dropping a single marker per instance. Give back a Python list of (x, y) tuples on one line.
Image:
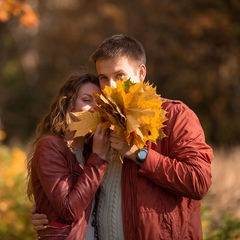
[(193, 55)]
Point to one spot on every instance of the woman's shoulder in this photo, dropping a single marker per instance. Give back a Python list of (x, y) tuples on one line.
[(52, 148), (51, 141)]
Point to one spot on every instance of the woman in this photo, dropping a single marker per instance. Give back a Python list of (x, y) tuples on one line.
[(63, 175)]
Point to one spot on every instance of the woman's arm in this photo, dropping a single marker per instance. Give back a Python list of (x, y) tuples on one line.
[(69, 197)]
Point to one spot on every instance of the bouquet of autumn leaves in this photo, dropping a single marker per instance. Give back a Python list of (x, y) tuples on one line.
[(132, 110)]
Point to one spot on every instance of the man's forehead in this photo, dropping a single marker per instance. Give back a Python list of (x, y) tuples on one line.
[(109, 69), (113, 65)]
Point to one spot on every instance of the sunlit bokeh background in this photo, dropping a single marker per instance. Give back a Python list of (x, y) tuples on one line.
[(193, 54)]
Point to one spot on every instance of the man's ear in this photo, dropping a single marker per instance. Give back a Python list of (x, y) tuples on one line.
[(142, 72)]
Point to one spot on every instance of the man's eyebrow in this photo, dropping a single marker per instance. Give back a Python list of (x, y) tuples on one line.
[(101, 75), (118, 71)]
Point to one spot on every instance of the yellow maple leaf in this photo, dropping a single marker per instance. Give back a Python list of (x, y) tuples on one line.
[(132, 110), (87, 123), (142, 110)]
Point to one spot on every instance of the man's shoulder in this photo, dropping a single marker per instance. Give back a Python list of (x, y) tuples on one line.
[(170, 104), (175, 107), (170, 101)]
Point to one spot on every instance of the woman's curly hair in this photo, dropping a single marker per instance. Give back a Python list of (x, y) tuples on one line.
[(58, 117)]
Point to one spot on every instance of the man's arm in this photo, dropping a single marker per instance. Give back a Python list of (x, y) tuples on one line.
[(38, 220), (184, 167)]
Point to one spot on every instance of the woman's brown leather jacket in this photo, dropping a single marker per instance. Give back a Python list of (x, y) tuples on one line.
[(63, 189)]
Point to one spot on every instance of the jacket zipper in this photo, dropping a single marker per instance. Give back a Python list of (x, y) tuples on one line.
[(50, 226), (51, 235)]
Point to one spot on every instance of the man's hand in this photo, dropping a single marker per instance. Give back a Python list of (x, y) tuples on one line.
[(38, 220), (128, 151)]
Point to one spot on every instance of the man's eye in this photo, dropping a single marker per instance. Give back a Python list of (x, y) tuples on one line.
[(121, 76), (102, 79)]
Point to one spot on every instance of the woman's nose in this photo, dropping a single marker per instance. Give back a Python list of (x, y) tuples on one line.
[(91, 109)]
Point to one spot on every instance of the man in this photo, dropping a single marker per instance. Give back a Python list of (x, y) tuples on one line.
[(156, 192)]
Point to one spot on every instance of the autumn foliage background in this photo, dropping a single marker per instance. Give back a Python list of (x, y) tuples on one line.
[(193, 54)]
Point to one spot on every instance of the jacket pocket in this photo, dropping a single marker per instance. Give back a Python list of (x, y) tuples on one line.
[(54, 231)]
